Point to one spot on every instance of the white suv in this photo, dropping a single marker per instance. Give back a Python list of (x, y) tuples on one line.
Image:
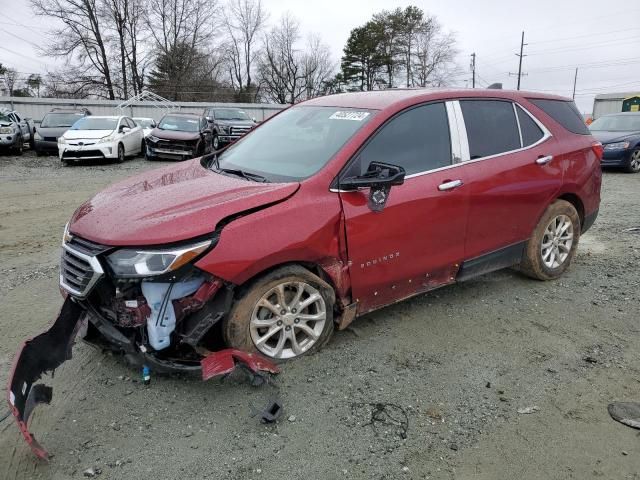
[(96, 137)]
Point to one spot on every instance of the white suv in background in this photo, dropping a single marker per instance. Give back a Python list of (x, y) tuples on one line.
[(95, 137)]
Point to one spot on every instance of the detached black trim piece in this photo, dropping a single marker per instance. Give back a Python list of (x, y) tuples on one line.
[(503, 258), (43, 353), (589, 220)]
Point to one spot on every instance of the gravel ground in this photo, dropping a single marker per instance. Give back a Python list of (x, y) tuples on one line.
[(427, 389)]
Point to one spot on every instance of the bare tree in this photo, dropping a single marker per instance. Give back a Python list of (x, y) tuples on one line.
[(10, 79), (81, 37), (434, 55), (318, 67), (281, 67), (244, 21)]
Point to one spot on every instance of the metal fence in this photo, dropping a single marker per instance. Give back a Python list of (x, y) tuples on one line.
[(36, 108)]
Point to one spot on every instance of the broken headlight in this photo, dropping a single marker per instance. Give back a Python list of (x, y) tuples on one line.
[(132, 263)]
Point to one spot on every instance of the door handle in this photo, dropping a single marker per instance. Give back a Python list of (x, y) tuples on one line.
[(544, 160), (450, 185)]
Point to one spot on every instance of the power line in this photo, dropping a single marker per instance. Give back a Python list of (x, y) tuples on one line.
[(520, 55)]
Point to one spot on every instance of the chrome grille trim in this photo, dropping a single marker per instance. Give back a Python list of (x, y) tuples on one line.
[(79, 272)]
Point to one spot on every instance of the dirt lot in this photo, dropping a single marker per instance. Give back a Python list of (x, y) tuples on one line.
[(429, 388)]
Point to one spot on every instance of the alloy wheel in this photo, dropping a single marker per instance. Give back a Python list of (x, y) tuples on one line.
[(635, 161), (120, 153), (557, 241), (216, 142), (288, 320)]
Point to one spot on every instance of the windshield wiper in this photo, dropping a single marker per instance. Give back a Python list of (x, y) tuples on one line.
[(252, 177)]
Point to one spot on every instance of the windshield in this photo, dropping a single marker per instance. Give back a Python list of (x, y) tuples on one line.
[(95, 123), (230, 114), (5, 118), (55, 120), (181, 124), (617, 123), (144, 122), (295, 144)]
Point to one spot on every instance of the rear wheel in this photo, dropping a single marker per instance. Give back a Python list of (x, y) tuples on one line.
[(634, 162), (283, 315), (553, 245)]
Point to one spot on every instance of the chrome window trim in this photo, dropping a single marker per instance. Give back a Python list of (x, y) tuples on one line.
[(454, 134), (464, 143), (95, 266), (515, 114)]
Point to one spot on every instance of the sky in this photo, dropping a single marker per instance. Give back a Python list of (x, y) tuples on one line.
[(603, 43)]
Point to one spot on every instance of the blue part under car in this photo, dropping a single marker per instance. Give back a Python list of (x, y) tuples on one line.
[(619, 134)]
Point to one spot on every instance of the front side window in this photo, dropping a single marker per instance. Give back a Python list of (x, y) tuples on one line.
[(491, 127), (296, 143), (417, 140)]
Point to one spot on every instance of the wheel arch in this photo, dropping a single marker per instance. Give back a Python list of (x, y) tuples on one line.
[(577, 203)]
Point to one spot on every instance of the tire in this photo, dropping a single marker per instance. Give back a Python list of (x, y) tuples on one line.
[(200, 149), (121, 156), (40, 153), (551, 249), (634, 162), (248, 322), (18, 148), (215, 143), (143, 149)]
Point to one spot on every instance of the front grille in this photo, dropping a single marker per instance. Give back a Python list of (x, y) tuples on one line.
[(78, 271), (239, 130), (187, 147), (82, 153), (87, 247)]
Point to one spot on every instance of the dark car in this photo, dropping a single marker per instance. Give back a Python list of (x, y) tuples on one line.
[(228, 124), (179, 136), (53, 126), (619, 133)]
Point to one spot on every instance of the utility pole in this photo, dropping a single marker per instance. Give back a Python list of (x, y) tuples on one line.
[(575, 80), (473, 70), (520, 74)]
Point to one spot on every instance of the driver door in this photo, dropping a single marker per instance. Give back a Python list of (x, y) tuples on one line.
[(416, 241)]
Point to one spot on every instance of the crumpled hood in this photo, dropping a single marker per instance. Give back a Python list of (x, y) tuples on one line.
[(174, 134), (170, 204), (604, 136), (86, 134)]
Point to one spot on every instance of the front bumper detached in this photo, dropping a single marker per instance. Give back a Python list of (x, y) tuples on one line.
[(47, 351), (41, 354)]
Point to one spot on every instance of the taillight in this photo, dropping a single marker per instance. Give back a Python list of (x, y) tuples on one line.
[(598, 149)]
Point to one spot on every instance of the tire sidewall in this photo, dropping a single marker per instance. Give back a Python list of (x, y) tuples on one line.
[(236, 325), (629, 168), (122, 158), (533, 264), (215, 143)]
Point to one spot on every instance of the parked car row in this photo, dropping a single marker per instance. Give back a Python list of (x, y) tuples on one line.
[(15, 131)]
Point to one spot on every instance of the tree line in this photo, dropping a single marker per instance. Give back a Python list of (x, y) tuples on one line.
[(206, 50)]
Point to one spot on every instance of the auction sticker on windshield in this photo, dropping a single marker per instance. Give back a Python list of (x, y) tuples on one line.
[(356, 116)]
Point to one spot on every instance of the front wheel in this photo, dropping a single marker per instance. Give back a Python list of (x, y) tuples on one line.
[(121, 156), (18, 148), (283, 315), (553, 245), (215, 143), (143, 148), (634, 162)]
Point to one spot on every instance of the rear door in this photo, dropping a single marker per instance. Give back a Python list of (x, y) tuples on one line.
[(416, 241), (514, 175)]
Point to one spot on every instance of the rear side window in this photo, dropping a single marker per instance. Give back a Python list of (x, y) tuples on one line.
[(565, 113), (418, 140), (491, 127), (531, 132)]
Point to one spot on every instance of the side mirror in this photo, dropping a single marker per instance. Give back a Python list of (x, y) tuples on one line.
[(124, 129), (379, 178), (254, 119), (207, 131), (209, 119)]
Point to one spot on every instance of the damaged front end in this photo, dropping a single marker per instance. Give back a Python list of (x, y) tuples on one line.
[(164, 320)]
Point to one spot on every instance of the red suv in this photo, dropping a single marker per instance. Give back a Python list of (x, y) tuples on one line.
[(330, 209)]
